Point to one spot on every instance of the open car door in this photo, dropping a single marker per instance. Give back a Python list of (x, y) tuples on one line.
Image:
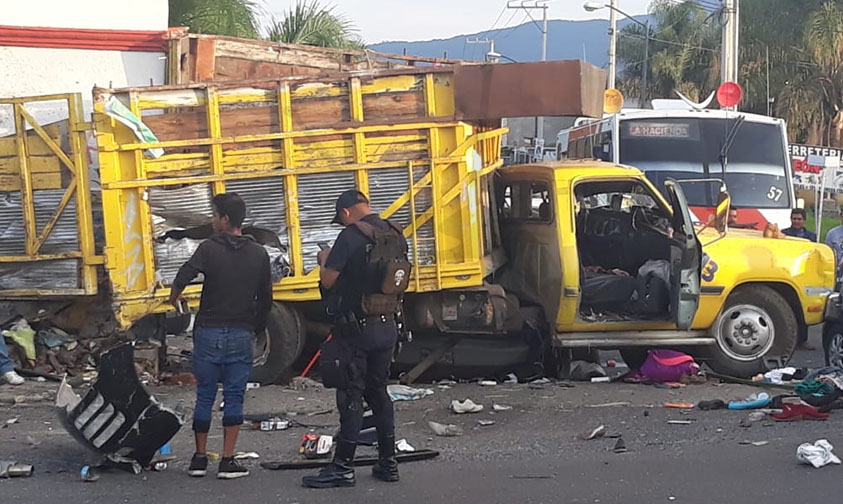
[(685, 260)]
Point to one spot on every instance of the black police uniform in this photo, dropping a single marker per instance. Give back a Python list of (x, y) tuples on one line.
[(371, 340)]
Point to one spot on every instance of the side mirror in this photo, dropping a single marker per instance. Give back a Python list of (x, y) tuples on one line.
[(721, 215)]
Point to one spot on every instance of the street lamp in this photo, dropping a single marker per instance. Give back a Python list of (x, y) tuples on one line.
[(595, 6)]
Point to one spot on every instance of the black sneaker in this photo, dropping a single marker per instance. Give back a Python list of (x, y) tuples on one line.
[(198, 465), (231, 469)]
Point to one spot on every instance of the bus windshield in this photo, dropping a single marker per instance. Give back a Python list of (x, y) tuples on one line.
[(689, 148)]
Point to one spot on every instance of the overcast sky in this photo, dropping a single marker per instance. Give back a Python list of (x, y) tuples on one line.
[(382, 20)]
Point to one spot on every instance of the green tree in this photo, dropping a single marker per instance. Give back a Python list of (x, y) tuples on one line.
[(234, 18), (683, 39), (312, 23)]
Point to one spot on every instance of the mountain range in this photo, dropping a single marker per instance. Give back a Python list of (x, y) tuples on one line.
[(587, 40)]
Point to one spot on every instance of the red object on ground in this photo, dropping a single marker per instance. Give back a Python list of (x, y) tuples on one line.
[(315, 358), (796, 412)]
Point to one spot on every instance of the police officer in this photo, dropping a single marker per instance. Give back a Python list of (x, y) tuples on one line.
[(370, 339)]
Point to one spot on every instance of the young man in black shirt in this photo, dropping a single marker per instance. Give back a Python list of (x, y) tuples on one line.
[(236, 299), (371, 340)]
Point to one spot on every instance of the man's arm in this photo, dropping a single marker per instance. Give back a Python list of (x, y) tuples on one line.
[(264, 297), (333, 262), (186, 274)]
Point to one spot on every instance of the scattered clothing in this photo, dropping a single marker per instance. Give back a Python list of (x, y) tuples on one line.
[(663, 366), (831, 375), (818, 454), (715, 404), (811, 387), (797, 412), (777, 375), (22, 334), (466, 406)]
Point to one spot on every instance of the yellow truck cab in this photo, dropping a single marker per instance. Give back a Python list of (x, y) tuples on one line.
[(616, 263)]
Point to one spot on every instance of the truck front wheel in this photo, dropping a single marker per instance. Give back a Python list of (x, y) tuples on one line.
[(280, 345), (755, 325)]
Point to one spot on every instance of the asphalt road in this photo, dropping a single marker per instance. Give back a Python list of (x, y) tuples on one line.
[(530, 455)]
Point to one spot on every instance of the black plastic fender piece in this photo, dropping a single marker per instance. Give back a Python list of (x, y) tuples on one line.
[(358, 461), (117, 417)]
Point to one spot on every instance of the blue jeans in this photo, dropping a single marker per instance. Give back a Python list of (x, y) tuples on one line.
[(6, 364), (221, 355)]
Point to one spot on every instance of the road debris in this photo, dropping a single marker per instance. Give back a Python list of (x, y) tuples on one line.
[(679, 422), (679, 405), (714, 404), (818, 454), (404, 393), (594, 433), (466, 406), (609, 404), (316, 446), (246, 456), (402, 446), (117, 417), (10, 421), (797, 412), (620, 446), (501, 407), (449, 430), (88, 474), (486, 423), (511, 379), (487, 383), (12, 469), (585, 371), (753, 401)]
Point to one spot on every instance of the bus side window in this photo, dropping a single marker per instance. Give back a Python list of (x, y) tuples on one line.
[(603, 149)]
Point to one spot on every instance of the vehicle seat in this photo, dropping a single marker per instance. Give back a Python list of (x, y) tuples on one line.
[(606, 291)]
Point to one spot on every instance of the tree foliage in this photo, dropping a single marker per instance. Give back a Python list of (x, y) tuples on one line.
[(804, 41), (234, 18), (312, 23)]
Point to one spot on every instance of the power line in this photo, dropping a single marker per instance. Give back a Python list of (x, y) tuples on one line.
[(654, 39)]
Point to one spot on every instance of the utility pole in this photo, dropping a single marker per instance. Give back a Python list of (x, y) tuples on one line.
[(731, 31), (613, 43), (646, 65), (529, 5), (489, 41)]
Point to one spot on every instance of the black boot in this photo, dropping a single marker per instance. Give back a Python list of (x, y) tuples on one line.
[(339, 473), (387, 467)]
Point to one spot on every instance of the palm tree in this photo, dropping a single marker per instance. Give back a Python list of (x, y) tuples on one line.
[(811, 97), (682, 58), (234, 18), (311, 23)]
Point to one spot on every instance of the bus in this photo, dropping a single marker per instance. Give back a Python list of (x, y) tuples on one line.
[(673, 140)]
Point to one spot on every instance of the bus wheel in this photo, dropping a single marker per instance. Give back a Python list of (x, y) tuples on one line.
[(277, 348), (756, 324)]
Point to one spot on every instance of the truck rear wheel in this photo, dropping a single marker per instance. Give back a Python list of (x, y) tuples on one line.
[(280, 345), (756, 324)]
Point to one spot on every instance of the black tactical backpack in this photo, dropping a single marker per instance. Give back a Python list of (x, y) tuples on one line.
[(387, 269)]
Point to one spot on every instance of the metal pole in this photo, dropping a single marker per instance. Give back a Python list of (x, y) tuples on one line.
[(730, 36), (613, 41), (769, 108), (540, 120), (646, 68)]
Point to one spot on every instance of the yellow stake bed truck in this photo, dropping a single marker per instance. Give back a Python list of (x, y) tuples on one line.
[(511, 267)]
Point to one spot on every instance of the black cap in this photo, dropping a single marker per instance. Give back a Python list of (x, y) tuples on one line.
[(348, 199)]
